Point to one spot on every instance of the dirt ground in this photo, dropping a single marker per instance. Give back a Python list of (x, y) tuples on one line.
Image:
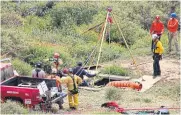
[(164, 92)]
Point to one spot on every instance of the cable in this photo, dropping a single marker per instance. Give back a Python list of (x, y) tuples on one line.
[(134, 62)]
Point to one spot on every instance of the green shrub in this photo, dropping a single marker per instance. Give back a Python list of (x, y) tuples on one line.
[(11, 19), (137, 99), (10, 107), (110, 51), (13, 40), (146, 100), (67, 16), (21, 67), (115, 70), (113, 93)]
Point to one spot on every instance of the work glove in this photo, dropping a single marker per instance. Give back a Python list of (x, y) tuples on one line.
[(160, 57), (153, 57)]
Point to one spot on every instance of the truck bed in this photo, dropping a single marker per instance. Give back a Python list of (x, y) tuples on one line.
[(28, 82)]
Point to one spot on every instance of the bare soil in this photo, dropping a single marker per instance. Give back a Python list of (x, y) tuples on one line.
[(165, 92)]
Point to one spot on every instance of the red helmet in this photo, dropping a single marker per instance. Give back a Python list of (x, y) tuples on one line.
[(157, 17), (65, 70), (56, 55)]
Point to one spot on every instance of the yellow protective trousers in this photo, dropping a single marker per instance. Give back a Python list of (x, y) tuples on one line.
[(73, 100)]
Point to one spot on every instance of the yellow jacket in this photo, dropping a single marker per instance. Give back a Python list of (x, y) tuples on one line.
[(159, 48), (69, 82)]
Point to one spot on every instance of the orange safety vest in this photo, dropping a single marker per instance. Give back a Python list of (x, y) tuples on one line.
[(157, 27), (172, 25), (58, 80)]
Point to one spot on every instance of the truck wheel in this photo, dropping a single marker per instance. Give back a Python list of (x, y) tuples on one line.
[(15, 99), (55, 107), (37, 107)]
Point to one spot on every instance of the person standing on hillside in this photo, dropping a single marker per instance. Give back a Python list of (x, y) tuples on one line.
[(38, 72), (157, 27), (172, 26), (157, 55), (56, 61)]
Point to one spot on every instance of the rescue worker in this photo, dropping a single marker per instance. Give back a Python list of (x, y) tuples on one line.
[(58, 85), (54, 76), (172, 26), (56, 60), (72, 81), (157, 27), (79, 71), (157, 55), (38, 72), (53, 62)]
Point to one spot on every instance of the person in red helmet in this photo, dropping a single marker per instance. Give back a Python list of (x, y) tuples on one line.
[(157, 27), (56, 61)]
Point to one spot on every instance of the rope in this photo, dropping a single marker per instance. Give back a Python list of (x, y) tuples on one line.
[(93, 27), (134, 62), (127, 109), (100, 35), (95, 47), (100, 49), (109, 30)]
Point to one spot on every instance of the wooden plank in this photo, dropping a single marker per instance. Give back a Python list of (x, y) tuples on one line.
[(93, 67), (90, 88), (114, 77), (149, 82)]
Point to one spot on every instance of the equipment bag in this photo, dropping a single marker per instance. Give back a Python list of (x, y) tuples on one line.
[(75, 90)]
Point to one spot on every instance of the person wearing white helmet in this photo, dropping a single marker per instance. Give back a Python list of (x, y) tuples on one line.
[(157, 55)]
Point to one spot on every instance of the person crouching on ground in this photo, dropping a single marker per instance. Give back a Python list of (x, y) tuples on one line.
[(157, 55), (80, 71), (72, 81)]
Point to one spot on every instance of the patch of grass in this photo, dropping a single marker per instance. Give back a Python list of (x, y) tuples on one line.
[(171, 91), (113, 93), (115, 70), (136, 99), (146, 100), (11, 107), (21, 67)]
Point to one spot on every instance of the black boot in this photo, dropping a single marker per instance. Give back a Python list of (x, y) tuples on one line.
[(154, 75)]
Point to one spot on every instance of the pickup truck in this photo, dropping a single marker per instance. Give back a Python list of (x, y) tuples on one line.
[(25, 90)]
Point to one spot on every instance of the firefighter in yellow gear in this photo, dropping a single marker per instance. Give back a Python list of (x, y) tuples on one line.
[(72, 82), (157, 55)]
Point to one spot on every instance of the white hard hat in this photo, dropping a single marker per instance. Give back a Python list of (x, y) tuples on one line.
[(154, 36)]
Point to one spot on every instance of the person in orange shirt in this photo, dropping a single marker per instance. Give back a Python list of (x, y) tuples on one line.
[(57, 78), (157, 27), (58, 85), (172, 26)]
